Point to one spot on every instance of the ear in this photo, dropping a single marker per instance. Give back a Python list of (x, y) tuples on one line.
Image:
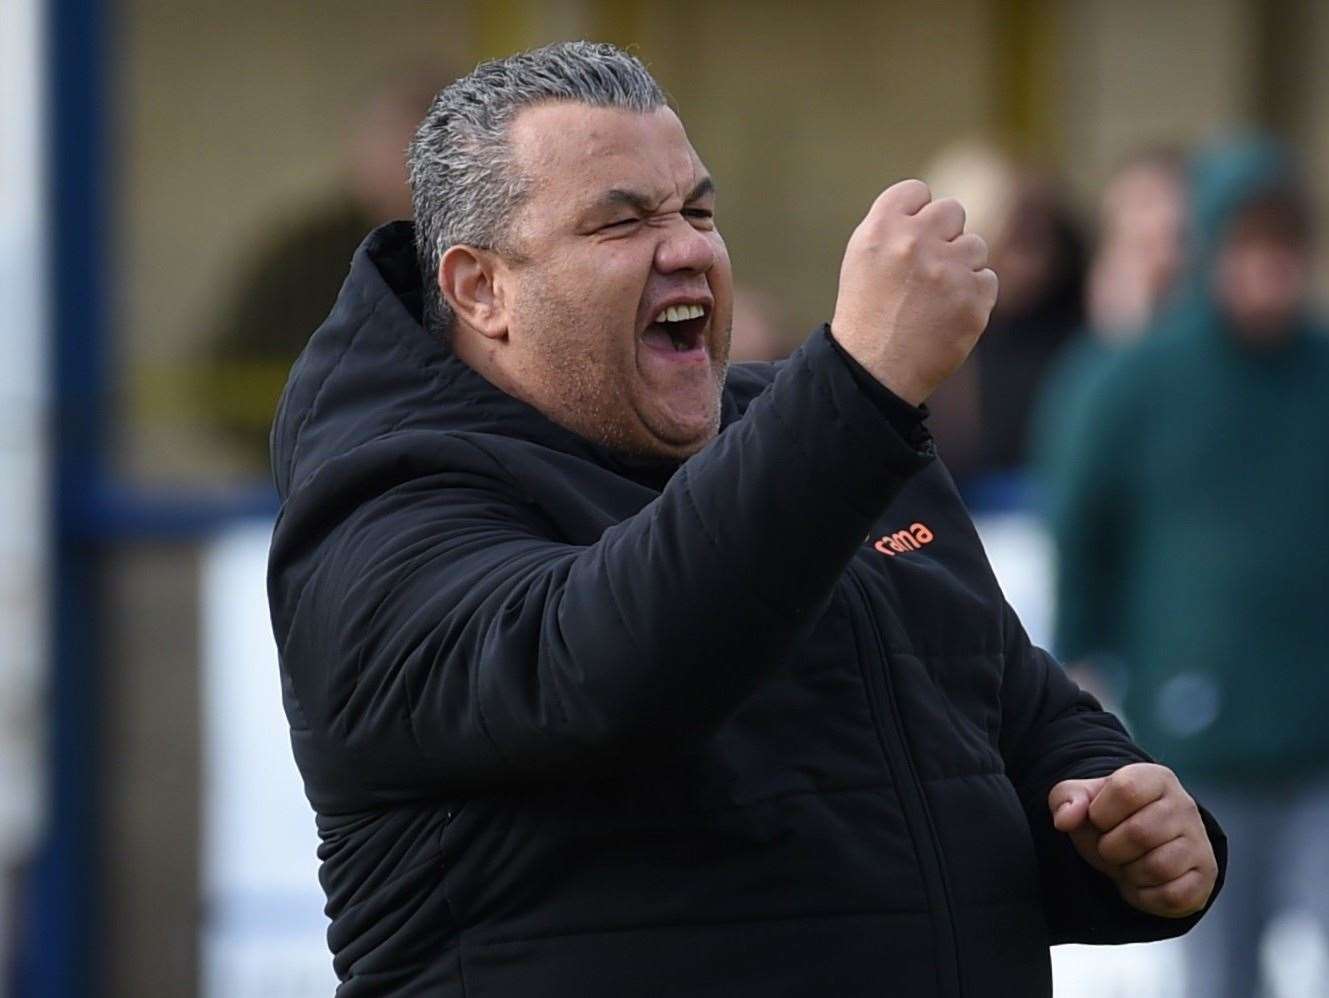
[(466, 279)]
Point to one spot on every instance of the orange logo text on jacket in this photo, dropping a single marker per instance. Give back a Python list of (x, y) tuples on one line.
[(903, 541)]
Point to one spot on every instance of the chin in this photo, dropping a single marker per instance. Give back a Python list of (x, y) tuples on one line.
[(686, 440), (686, 450), (689, 424)]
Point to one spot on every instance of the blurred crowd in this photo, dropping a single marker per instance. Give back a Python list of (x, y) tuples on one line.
[(1161, 400), (1181, 452), (1154, 384)]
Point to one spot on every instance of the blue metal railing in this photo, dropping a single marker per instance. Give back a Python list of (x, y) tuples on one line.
[(62, 916)]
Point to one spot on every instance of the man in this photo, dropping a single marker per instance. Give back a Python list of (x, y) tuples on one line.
[(1194, 548), (613, 672)]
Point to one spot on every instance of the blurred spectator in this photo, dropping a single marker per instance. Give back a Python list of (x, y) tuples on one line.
[(289, 286), (756, 334), (980, 420), (1142, 227), (1194, 548), (1142, 220), (1039, 258)]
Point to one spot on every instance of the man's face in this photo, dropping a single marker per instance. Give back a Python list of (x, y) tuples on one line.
[(1261, 279), (617, 233)]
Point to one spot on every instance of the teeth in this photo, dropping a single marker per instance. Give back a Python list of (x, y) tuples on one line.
[(680, 313)]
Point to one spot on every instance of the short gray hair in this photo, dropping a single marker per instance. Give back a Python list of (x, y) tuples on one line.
[(464, 187)]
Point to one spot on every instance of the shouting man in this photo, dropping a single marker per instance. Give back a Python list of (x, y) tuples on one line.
[(615, 671)]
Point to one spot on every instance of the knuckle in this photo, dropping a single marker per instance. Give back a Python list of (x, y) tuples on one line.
[(1179, 895), (1129, 787), (863, 246), (990, 285), (867, 233), (982, 305), (1109, 850), (974, 249), (881, 202), (1158, 867), (1161, 772), (1136, 834), (1127, 844), (906, 245), (1155, 775), (914, 185), (877, 217), (904, 190)]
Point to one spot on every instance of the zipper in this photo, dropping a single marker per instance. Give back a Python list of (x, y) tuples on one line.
[(909, 789)]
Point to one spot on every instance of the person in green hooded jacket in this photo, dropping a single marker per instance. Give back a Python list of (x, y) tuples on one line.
[(1192, 529)]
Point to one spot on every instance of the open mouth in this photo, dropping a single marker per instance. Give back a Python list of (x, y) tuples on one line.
[(677, 329)]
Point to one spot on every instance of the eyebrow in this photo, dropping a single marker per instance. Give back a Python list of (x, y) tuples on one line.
[(644, 204), (704, 186)]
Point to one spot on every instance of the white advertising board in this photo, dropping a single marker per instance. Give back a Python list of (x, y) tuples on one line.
[(263, 927), (24, 445)]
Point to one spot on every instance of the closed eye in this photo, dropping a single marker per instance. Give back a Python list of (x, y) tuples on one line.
[(621, 223)]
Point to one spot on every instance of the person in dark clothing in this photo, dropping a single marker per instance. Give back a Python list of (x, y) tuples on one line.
[(1193, 548), (612, 670), (982, 417), (1040, 259), (285, 291)]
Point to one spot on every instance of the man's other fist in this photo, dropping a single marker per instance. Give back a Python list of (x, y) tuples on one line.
[(915, 291), (1140, 828)]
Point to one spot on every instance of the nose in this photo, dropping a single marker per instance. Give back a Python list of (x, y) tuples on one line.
[(684, 248)]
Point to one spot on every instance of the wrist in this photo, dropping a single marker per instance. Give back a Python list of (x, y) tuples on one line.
[(897, 381), (907, 418)]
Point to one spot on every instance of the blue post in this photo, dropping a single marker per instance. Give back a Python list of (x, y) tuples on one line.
[(58, 953)]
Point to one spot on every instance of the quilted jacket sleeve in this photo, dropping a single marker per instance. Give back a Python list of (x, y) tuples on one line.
[(1053, 731), (443, 639)]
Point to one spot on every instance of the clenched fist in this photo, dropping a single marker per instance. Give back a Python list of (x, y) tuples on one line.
[(1140, 828), (915, 291)]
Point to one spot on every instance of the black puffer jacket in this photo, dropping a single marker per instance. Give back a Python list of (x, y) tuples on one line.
[(756, 725)]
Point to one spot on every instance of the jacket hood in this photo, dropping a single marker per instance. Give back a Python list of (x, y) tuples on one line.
[(372, 370), (1224, 179)]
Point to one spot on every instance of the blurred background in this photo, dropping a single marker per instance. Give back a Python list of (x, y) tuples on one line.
[(183, 184)]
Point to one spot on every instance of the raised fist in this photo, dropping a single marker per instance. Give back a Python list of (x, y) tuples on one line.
[(915, 291)]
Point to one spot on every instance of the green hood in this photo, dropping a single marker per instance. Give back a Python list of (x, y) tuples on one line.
[(1224, 178)]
